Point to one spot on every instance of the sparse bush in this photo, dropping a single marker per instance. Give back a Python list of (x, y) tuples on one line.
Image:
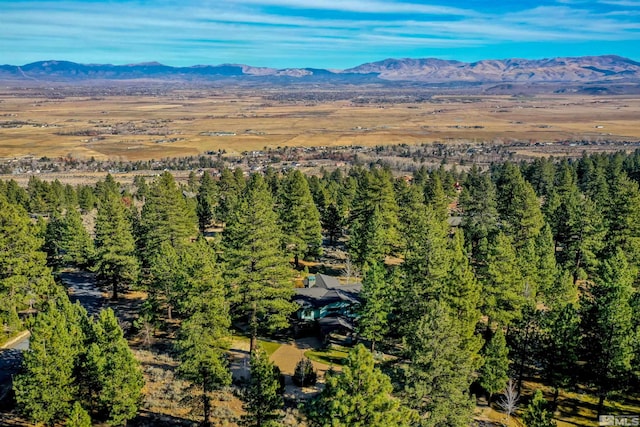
[(305, 375)]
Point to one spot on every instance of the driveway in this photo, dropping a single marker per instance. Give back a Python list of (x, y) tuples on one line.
[(10, 360), (81, 287)]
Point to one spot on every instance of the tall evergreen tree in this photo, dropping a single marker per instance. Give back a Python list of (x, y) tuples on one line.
[(436, 197), (559, 346), (427, 262), (46, 390), (480, 213), (623, 217), (168, 277), (67, 241), (503, 287), (582, 238), (53, 241), (443, 363), (359, 396), (518, 205), (258, 273), (16, 195), (494, 371), (462, 289), (76, 241), (25, 280), (203, 337), (373, 323), (87, 199), (142, 188), (262, 399), (207, 199), (299, 217), (607, 329), (231, 187), (332, 223), (114, 369), (116, 262), (375, 192), (166, 216)]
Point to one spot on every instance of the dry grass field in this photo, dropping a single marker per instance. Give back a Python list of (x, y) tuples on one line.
[(185, 122)]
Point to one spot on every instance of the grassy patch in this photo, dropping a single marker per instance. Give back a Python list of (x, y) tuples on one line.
[(334, 356), (269, 346)]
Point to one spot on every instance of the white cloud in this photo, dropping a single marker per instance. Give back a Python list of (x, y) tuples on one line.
[(242, 28)]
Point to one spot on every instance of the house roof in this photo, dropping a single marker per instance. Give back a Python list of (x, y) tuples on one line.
[(327, 282), (330, 324), (327, 290)]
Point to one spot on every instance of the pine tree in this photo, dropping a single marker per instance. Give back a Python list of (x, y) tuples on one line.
[(168, 277), (25, 280), (115, 370), (332, 223), (518, 205), (304, 375), (142, 188), (375, 191), (623, 218), (230, 191), (443, 360), (116, 262), (436, 197), (582, 239), (76, 241), (262, 399), (78, 417), (480, 214), (359, 396), (537, 414), (547, 270), (87, 199), (607, 327), (373, 323), (203, 336), (108, 186), (462, 289), (45, 391), (207, 199), (522, 341), (427, 263), (166, 217), (493, 373), (503, 287), (53, 241), (258, 274), (371, 246), (559, 345), (16, 195), (299, 217)]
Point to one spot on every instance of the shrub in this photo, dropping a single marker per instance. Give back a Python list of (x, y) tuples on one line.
[(304, 375)]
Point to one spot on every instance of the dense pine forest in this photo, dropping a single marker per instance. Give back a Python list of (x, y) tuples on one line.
[(475, 285)]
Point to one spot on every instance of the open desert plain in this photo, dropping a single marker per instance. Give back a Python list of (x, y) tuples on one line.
[(156, 122)]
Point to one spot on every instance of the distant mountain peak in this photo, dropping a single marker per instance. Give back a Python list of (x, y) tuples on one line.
[(585, 69)]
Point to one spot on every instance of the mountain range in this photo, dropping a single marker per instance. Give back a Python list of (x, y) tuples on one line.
[(585, 69)]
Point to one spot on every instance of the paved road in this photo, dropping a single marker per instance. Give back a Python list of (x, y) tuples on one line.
[(81, 287), (10, 360)]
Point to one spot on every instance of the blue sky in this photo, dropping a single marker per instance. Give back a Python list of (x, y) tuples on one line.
[(313, 33)]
